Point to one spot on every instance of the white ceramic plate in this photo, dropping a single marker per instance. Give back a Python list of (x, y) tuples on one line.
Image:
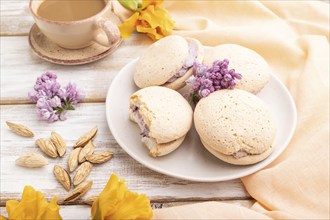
[(191, 161)]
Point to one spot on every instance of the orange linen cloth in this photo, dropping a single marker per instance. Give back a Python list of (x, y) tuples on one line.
[(293, 36)]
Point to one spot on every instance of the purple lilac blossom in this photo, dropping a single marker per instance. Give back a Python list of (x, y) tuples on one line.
[(52, 100), (45, 108), (209, 79), (71, 94), (46, 85)]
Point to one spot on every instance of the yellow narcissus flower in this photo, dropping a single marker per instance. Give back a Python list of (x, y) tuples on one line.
[(151, 19), (33, 205), (117, 202)]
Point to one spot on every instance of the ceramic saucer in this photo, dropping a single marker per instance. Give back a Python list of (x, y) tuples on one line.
[(47, 50)]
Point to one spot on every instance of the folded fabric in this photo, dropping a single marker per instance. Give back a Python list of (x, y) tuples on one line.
[(208, 210), (293, 36)]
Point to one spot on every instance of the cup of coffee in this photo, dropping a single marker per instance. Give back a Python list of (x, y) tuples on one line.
[(75, 24)]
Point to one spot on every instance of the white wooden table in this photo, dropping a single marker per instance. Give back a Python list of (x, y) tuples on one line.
[(19, 70)]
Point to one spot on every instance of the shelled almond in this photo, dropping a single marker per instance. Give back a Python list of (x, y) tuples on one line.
[(20, 129), (47, 147), (100, 157), (62, 176), (90, 199), (85, 138), (88, 149), (59, 143), (32, 160), (73, 159), (81, 159), (78, 192), (82, 172)]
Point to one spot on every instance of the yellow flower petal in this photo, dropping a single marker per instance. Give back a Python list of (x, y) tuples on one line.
[(33, 205), (3, 217), (11, 206), (151, 32), (52, 211), (133, 206), (26, 209), (160, 18), (117, 202), (152, 19), (40, 205), (128, 26), (156, 22), (146, 3), (108, 198)]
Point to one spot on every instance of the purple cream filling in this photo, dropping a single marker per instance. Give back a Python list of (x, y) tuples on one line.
[(240, 154), (139, 120), (188, 63)]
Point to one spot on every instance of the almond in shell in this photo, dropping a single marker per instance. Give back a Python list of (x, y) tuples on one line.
[(85, 138), (20, 129), (47, 147), (59, 143), (73, 159), (32, 160), (82, 172), (87, 150), (101, 157), (90, 199), (62, 176), (78, 192)]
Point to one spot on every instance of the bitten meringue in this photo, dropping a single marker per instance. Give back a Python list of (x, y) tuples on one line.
[(164, 118), (168, 62)]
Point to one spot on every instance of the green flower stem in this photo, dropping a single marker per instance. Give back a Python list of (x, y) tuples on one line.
[(193, 98), (133, 5), (67, 106)]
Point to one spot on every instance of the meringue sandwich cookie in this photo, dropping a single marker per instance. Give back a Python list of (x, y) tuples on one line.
[(251, 159), (163, 116), (253, 67), (168, 62), (235, 126)]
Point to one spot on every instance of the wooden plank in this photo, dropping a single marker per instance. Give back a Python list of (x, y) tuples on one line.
[(83, 211), (20, 67), (15, 17), (156, 186), (71, 212)]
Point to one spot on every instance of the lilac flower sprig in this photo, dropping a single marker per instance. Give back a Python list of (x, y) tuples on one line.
[(52, 100), (210, 79)]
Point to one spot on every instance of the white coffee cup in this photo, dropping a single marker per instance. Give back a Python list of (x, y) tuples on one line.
[(81, 33)]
